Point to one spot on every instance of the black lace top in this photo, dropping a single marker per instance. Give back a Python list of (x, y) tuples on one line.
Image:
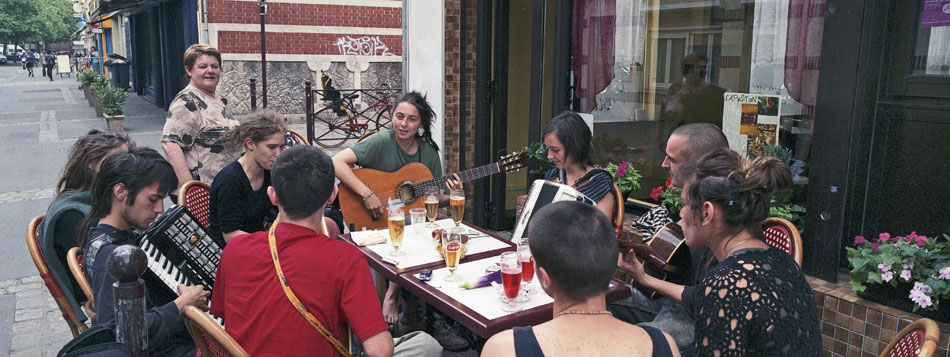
[(755, 302)]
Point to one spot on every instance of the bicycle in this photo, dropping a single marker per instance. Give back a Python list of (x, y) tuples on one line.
[(344, 119)]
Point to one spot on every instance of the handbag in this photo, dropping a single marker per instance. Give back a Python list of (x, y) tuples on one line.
[(312, 320), (96, 341)]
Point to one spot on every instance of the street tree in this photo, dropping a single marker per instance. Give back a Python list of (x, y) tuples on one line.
[(24, 21)]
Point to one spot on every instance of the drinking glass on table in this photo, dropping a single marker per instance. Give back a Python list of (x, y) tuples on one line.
[(457, 205), (417, 216), (397, 226), (432, 206), (527, 266), (511, 280), (452, 251)]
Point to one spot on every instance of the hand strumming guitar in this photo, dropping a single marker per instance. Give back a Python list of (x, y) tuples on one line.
[(628, 262)]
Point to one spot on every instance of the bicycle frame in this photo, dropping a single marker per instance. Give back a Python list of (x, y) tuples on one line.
[(357, 119)]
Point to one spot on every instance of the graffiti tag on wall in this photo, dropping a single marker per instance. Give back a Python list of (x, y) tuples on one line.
[(362, 46)]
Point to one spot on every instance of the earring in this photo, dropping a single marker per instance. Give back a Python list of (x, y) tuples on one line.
[(421, 131)]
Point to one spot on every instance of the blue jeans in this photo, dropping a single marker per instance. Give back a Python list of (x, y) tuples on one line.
[(662, 313)]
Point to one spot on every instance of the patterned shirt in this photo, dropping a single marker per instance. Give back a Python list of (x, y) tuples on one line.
[(197, 122)]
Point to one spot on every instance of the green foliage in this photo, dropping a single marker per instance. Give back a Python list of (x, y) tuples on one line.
[(624, 175), (539, 152), (112, 99), (779, 152), (86, 78), (791, 212), (913, 258), (36, 20)]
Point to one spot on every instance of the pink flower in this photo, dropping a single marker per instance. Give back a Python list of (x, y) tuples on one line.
[(884, 267), (621, 171), (669, 181), (655, 194), (920, 298), (883, 237), (921, 241), (924, 288), (875, 246), (911, 236), (887, 276), (945, 273), (905, 274), (859, 240), (908, 265)]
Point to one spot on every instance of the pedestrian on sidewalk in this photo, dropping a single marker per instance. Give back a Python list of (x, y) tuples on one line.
[(49, 61), (30, 62)]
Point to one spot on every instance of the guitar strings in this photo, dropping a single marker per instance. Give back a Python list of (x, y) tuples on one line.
[(466, 175)]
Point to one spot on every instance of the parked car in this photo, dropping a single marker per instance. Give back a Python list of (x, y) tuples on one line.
[(3, 59)]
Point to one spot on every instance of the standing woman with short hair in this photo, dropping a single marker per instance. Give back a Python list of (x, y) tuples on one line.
[(193, 137), (239, 202), (568, 140)]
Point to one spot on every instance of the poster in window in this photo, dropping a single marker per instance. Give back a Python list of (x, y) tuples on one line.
[(750, 122), (935, 13)]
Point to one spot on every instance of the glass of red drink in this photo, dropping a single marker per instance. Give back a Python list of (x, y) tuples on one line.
[(527, 267), (511, 280)]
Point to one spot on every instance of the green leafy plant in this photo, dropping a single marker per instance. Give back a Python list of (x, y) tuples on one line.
[(624, 175), (539, 152), (86, 78), (913, 258), (789, 211), (112, 99)]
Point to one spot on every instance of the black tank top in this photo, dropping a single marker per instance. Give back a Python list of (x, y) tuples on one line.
[(526, 344)]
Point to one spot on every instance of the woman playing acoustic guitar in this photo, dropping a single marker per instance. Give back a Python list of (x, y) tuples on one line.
[(409, 141)]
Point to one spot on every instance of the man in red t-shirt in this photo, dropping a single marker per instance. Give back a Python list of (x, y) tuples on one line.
[(329, 277)]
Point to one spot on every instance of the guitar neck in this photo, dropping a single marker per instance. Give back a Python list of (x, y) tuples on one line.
[(468, 175)]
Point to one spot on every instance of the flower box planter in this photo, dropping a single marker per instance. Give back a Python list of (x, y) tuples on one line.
[(97, 104), (897, 297), (114, 123)]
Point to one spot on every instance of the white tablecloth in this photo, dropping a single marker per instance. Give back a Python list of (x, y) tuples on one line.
[(418, 248), (485, 301)]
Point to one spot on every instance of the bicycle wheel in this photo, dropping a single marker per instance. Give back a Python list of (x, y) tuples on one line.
[(334, 132), (383, 120)]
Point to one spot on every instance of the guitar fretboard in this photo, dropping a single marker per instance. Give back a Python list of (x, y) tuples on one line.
[(421, 188)]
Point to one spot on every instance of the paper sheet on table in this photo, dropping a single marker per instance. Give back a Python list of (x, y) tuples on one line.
[(418, 248), (485, 301)]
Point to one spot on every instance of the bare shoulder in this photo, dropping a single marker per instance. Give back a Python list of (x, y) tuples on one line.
[(501, 344)]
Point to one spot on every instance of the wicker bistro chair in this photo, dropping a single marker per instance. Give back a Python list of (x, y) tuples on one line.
[(618, 215), (74, 258), (782, 234), (196, 197), (210, 339), (917, 339), (32, 243), (297, 138)]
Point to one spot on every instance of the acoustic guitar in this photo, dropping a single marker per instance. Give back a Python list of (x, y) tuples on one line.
[(665, 256), (409, 183)]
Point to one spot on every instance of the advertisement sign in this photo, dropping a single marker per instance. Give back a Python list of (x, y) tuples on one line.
[(936, 13), (750, 122)]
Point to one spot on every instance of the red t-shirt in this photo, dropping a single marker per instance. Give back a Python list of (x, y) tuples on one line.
[(330, 277)]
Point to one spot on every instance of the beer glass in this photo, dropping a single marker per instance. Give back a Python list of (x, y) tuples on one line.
[(397, 226), (417, 216), (452, 250), (511, 280), (527, 265), (457, 205), (432, 206)]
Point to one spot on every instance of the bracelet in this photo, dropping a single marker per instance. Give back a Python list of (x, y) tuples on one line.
[(367, 196)]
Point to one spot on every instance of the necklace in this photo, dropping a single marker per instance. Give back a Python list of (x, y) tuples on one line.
[(583, 312), (729, 250)]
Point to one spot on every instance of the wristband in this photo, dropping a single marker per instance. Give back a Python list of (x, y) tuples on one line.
[(367, 196)]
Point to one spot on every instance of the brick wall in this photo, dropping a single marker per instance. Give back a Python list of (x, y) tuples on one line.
[(851, 326), (453, 65), (246, 12), (298, 43)]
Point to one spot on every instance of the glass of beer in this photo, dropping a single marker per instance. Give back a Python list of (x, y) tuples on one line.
[(452, 250), (527, 266), (511, 280), (457, 205), (417, 217), (432, 206), (397, 226)]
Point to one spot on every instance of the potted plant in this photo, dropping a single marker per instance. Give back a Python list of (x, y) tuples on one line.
[(911, 272), (99, 87), (625, 176), (539, 152), (112, 101), (669, 197), (86, 78)]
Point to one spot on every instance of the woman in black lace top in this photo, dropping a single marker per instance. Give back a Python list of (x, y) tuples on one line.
[(756, 301)]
